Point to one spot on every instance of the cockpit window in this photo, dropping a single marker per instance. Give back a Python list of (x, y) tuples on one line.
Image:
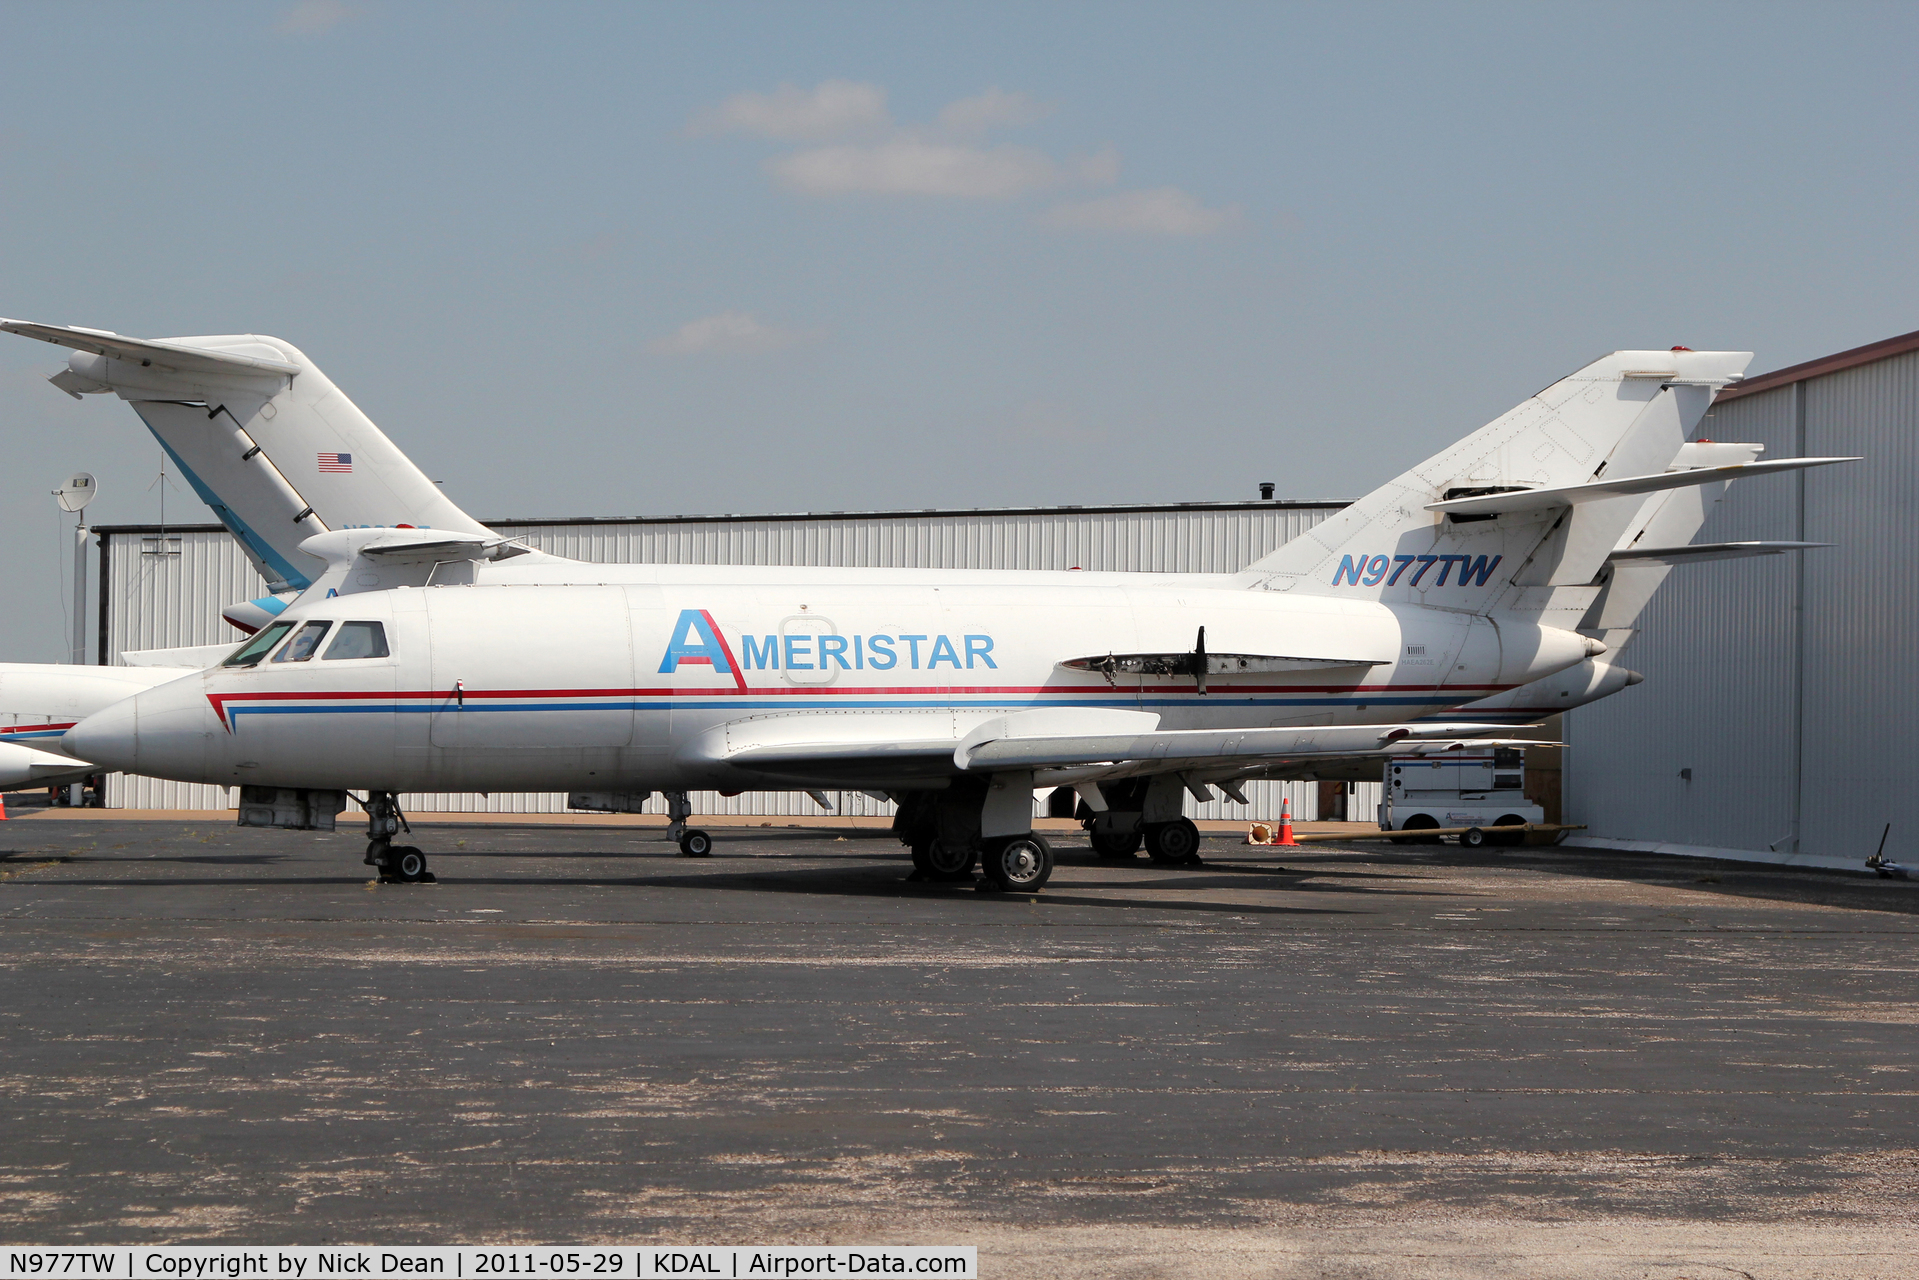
[(255, 649), (358, 640), (301, 647)]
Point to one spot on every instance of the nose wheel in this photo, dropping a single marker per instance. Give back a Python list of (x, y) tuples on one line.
[(397, 863)]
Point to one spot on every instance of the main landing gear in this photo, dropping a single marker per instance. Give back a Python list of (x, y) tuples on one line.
[(1018, 863), (693, 842), (1142, 812), (397, 863), (942, 828)]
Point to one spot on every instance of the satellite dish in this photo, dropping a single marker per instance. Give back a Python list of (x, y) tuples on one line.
[(77, 492)]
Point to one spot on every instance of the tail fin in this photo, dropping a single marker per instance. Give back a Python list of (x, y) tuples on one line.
[(1625, 415), (262, 435)]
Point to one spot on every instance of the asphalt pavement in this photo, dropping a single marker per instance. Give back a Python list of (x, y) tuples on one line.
[(1318, 1061)]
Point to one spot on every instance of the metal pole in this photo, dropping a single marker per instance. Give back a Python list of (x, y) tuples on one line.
[(79, 656), (77, 792)]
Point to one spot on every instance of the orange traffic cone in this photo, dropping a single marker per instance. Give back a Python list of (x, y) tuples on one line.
[(1286, 823), (3, 806)]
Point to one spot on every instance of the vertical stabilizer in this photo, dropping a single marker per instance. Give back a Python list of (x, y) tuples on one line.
[(262, 435), (1627, 414)]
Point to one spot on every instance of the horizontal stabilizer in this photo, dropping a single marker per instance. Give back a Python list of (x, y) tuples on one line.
[(340, 547), (1492, 504), (1697, 552), (443, 550), (147, 351), (185, 660)]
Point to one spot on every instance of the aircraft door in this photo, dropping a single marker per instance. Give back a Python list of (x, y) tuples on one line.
[(530, 668)]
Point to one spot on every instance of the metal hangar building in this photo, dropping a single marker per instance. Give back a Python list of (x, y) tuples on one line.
[(1779, 710)]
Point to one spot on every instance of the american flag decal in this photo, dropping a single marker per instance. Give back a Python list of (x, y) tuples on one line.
[(339, 463)]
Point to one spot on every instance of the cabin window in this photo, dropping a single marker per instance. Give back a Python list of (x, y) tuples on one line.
[(301, 647), (255, 649), (358, 640)]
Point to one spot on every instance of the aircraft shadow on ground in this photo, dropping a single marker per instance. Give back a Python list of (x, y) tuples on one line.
[(1311, 870), (1170, 889), (1802, 885), (861, 883)]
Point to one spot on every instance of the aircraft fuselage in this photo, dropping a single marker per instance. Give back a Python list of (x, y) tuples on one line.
[(645, 679)]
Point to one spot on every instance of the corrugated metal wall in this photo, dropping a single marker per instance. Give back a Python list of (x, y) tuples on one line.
[(1184, 539), (158, 601), (1782, 683)]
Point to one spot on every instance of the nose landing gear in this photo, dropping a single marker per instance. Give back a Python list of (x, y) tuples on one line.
[(397, 863), (693, 842)]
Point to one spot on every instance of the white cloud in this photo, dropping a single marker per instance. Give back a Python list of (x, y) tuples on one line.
[(1162, 211), (994, 109), (912, 166), (729, 333), (311, 17), (834, 109), (857, 149)]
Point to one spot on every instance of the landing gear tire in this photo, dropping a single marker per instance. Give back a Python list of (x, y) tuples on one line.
[(1116, 844), (946, 860), (1418, 822), (695, 843), (1173, 844), (923, 860), (406, 865), (1507, 837), (1020, 864)]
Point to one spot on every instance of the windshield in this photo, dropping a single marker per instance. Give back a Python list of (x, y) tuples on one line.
[(255, 649), (302, 646)]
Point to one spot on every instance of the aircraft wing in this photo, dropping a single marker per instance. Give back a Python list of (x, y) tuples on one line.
[(148, 351), (1057, 746), (997, 747)]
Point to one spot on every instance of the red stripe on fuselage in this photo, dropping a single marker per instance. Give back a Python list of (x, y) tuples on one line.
[(219, 700)]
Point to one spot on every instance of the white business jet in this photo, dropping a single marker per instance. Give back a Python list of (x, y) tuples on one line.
[(279, 453), (451, 659)]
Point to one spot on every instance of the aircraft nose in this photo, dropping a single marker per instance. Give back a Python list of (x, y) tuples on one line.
[(109, 737), (162, 732)]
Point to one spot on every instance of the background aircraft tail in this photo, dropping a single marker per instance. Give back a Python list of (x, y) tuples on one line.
[(262, 435), (1626, 415)]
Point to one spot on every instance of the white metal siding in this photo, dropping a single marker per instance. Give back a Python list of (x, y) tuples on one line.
[(1156, 540), (156, 602), (1782, 682), (166, 601), (1861, 604)]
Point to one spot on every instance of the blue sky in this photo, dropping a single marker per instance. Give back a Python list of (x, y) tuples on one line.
[(645, 259)]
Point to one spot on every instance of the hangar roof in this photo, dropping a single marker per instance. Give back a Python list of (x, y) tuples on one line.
[(1823, 365)]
